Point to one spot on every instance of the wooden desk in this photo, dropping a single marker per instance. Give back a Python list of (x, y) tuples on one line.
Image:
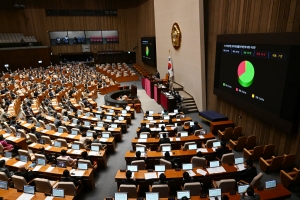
[(221, 125), (13, 194), (21, 142), (111, 88), (175, 142), (118, 110), (56, 173), (182, 120), (101, 159), (126, 116)]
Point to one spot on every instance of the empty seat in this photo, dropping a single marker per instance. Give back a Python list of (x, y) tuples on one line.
[(167, 163), (290, 178), (194, 188), (225, 135), (288, 161), (237, 132), (227, 185), (139, 163), (272, 164), (162, 189), (251, 142), (44, 185), (198, 162), (239, 144), (69, 188), (253, 154), (227, 158), (132, 190), (268, 151), (255, 183)]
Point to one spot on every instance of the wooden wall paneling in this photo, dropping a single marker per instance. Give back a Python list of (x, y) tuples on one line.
[(248, 16)]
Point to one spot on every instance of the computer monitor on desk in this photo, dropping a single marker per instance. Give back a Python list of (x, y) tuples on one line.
[(62, 164), (166, 117), (151, 112), (95, 148), (28, 189), (184, 134), (75, 146), (216, 144), (270, 184), (57, 192), (150, 118), (133, 168), (57, 144), (143, 136), (166, 148), (3, 185), (140, 149), (239, 160), (74, 132), (108, 117), (87, 123), (124, 111), (82, 166), (183, 193), (23, 158), (121, 196), (60, 130), (192, 146), (105, 135), (212, 193), (160, 168), (242, 188), (152, 196), (187, 166), (41, 161), (214, 163)]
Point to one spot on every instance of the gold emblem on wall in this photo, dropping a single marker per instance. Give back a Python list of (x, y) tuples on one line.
[(176, 36)]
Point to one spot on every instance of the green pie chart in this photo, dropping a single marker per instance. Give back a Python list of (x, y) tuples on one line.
[(245, 73)]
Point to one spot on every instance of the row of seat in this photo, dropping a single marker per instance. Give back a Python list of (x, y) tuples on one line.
[(277, 162), (230, 133), (243, 142)]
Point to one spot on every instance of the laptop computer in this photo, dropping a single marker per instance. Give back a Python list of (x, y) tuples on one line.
[(213, 193), (121, 196), (143, 136), (187, 166), (270, 184), (3, 185), (57, 192), (166, 117), (150, 118), (30, 121), (216, 144), (133, 168), (239, 160), (41, 161), (242, 188), (159, 168), (75, 146), (8, 154), (121, 118), (82, 166), (95, 148), (183, 134), (89, 134), (108, 117), (192, 146), (105, 135), (161, 135), (41, 141), (87, 123), (74, 132), (23, 158), (60, 130), (113, 125), (152, 196), (57, 144), (151, 112), (165, 148), (214, 163), (62, 164), (140, 149), (28, 189), (124, 111), (183, 193), (99, 124)]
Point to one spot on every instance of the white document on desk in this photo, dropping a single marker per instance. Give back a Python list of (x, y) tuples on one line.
[(201, 171), (4, 158), (177, 139), (214, 149), (49, 169), (172, 127), (11, 138), (19, 163), (142, 140), (37, 168), (202, 150), (150, 175), (49, 198), (201, 137), (171, 139), (44, 131), (152, 121), (57, 134), (25, 196), (95, 119), (240, 167), (77, 152), (26, 125), (6, 135), (94, 153), (103, 139), (158, 173), (178, 120), (48, 147), (111, 129), (32, 145), (191, 173), (71, 136), (78, 173), (216, 170)]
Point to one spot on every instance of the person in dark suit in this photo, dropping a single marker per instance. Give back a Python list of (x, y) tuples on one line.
[(4, 169), (164, 139), (22, 171), (138, 157), (144, 128), (57, 123), (33, 131), (249, 173), (95, 138), (162, 180), (128, 180), (223, 150), (178, 128), (195, 127), (187, 179), (250, 194), (66, 178)]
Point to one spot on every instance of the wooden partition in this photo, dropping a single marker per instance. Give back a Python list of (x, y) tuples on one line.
[(249, 16)]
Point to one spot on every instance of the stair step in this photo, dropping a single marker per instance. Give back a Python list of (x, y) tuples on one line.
[(189, 104), (188, 100), (192, 110)]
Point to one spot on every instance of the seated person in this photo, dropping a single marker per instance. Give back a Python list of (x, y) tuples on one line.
[(165, 112), (84, 139), (33, 131), (250, 194), (4, 169), (22, 171), (95, 138), (85, 156), (6, 146), (187, 179), (195, 127), (144, 128), (49, 157), (162, 180), (63, 154), (164, 139), (146, 114), (249, 172), (128, 180), (174, 161), (66, 178), (223, 150), (178, 128), (138, 157)]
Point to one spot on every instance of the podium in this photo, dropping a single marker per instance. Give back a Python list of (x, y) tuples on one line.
[(133, 91)]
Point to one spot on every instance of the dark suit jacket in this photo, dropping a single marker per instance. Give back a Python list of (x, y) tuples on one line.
[(248, 174), (128, 182), (221, 151), (27, 175), (164, 140), (184, 181), (37, 134), (144, 129), (195, 127), (160, 183), (69, 179)]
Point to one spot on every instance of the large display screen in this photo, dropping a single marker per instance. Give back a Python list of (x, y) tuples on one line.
[(259, 73), (148, 51), (255, 73)]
